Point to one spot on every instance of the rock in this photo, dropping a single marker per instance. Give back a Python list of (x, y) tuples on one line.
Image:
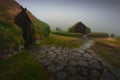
[(61, 75), (52, 48), (59, 67), (57, 51), (88, 56), (59, 62), (76, 77), (72, 63), (72, 70), (60, 57), (45, 62), (82, 63), (50, 53), (95, 64), (51, 57), (81, 51), (65, 55), (51, 68), (95, 73)]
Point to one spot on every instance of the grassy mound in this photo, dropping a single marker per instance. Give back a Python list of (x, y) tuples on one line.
[(22, 67), (10, 36), (42, 29), (109, 50), (77, 35), (62, 41)]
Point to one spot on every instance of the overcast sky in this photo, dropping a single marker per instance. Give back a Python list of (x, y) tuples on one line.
[(99, 15)]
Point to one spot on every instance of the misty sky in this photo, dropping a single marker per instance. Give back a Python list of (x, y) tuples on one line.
[(99, 15)]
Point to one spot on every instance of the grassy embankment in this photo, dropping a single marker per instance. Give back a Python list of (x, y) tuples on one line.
[(22, 66), (63, 33), (109, 50)]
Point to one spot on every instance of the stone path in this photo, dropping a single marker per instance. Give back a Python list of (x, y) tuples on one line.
[(70, 63)]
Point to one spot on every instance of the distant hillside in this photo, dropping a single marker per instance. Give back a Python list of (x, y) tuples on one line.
[(10, 33)]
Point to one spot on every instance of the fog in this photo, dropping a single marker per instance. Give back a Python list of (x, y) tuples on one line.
[(99, 15)]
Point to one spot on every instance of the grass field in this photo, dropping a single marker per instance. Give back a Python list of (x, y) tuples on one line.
[(22, 67), (62, 41), (109, 50)]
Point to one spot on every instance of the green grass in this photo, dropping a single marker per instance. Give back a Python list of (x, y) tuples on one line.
[(76, 35), (62, 41), (109, 50), (21, 67), (10, 36)]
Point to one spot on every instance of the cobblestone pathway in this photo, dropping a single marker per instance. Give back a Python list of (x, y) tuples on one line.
[(70, 63)]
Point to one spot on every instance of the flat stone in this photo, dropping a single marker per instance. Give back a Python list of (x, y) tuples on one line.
[(76, 77), (95, 73), (95, 64), (45, 62), (57, 50), (61, 75), (81, 51), (60, 57), (65, 55), (59, 62), (72, 63), (50, 53), (59, 67), (72, 70), (73, 50), (88, 56), (51, 68), (76, 55), (51, 57), (82, 63), (52, 47)]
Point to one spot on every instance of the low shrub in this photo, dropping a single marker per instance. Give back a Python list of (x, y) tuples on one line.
[(98, 35)]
